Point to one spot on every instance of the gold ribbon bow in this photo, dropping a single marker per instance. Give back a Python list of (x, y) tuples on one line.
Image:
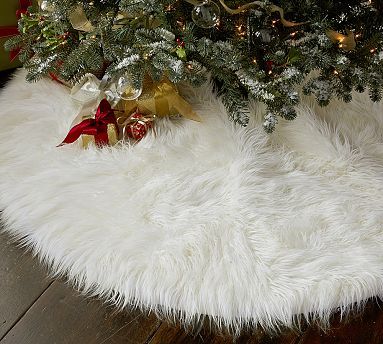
[(160, 99)]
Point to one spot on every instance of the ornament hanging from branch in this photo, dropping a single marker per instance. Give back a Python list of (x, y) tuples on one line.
[(45, 6), (206, 14)]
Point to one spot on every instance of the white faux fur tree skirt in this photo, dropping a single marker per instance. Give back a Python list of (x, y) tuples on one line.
[(205, 218)]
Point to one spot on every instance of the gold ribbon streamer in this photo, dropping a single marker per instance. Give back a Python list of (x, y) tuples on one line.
[(346, 42), (286, 23), (272, 8), (160, 99)]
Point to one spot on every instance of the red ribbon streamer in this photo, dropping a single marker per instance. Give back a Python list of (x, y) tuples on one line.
[(98, 126)]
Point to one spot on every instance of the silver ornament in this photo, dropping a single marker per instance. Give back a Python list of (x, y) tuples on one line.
[(46, 6), (206, 15)]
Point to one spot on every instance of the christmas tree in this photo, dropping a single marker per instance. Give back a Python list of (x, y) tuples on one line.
[(253, 51)]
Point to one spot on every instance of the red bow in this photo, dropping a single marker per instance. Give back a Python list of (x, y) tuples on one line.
[(98, 126)]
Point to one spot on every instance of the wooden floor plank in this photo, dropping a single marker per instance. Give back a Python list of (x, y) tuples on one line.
[(63, 316), (22, 281), (177, 335), (365, 327)]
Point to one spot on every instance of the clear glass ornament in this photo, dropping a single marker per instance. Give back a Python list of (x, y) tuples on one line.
[(206, 15), (46, 6), (264, 35), (125, 89)]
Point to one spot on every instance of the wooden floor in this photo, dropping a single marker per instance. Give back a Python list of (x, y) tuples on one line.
[(36, 309)]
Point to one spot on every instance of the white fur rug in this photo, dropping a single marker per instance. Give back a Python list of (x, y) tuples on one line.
[(205, 218)]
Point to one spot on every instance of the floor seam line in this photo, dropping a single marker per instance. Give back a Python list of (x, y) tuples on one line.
[(26, 311)]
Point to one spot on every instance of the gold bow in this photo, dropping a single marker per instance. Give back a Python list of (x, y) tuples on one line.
[(160, 99)]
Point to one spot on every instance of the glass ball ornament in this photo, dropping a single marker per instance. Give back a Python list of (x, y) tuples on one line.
[(206, 15), (125, 89), (263, 35), (46, 6)]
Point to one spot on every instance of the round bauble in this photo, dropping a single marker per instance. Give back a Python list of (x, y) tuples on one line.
[(206, 15), (46, 6), (126, 90)]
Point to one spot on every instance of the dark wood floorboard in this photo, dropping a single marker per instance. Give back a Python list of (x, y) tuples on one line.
[(22, 281), (63, 316)]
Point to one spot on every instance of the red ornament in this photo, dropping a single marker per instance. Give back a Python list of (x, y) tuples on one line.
[(137, 126), (180, 43)]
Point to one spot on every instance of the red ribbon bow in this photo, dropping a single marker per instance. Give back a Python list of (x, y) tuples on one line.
[(98, 126)]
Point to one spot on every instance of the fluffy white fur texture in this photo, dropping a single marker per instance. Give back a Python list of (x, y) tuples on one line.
[(204, 218)]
